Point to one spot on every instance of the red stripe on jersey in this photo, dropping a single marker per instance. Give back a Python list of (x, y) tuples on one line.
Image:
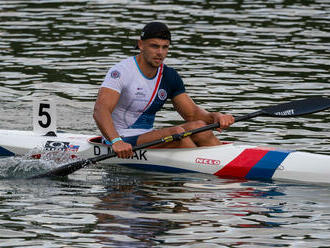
[(156, 87)]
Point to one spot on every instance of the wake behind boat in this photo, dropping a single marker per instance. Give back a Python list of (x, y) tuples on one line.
[(229, 160)]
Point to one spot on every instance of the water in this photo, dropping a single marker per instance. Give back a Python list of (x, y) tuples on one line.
[(234, 56)]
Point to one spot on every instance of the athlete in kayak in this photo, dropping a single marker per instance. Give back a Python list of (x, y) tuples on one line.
[(137, 87)]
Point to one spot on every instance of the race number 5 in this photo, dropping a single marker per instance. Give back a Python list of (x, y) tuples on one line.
[(43, 111), (44, 117)]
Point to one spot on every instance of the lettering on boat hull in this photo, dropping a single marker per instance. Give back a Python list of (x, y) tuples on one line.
[(138, 155), (207, 161)]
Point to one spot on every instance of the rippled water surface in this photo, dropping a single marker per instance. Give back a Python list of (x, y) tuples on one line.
[(234, 56)]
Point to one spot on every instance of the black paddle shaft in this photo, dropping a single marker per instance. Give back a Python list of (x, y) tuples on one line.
[(290, 109)]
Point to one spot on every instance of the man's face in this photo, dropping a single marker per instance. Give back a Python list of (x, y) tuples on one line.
[(154, 50)]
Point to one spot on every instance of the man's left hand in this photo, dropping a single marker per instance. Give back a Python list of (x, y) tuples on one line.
[(225, 120)]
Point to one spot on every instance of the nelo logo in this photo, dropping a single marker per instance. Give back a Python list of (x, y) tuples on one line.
[(207, 161)]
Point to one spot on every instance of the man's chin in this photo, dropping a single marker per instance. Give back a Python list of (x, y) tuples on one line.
[(157, 64)]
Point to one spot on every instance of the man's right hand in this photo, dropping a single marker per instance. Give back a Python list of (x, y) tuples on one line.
[(122, 149)]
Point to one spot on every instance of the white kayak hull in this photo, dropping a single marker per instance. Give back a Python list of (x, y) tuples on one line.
[(230, 160)]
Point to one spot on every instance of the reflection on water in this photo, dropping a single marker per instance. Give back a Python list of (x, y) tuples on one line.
[(131, 209), (234, 56)]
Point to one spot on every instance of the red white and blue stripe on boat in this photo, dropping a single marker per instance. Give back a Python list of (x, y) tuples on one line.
[(254, 163)]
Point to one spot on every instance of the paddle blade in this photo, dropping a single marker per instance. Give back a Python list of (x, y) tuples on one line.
[(69, 168), (299, 107), (64, 170)]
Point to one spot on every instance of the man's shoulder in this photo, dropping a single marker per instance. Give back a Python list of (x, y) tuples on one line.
[(125, 63), (170, 71), (172, 82), (119, 72), (166, 67), (122, 69)]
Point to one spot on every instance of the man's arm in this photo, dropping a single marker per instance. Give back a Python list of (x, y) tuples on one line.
[(190, 111), (106, 102)]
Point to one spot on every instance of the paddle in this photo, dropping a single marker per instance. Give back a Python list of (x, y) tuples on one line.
[(290, 109)]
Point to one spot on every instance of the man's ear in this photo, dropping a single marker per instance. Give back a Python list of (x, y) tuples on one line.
[(140, 45)]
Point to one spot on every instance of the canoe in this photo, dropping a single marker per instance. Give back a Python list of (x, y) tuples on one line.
[(229, 160)]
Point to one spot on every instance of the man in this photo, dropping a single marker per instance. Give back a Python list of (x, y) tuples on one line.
[(137, 87)]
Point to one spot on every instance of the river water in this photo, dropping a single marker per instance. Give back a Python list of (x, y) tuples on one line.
[(234, 56)]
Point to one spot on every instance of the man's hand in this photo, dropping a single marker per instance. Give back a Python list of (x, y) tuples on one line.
[(122, 149), (225, 120)]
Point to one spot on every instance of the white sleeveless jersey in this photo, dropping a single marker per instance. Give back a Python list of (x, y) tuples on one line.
[(140, 97)]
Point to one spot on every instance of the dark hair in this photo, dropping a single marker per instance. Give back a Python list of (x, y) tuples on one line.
[(155, 30)]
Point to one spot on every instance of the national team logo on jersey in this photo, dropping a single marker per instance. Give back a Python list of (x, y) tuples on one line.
[(115, 74), (162, 94)]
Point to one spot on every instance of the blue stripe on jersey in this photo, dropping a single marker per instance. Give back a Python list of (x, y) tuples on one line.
[(267, 166), (145, 121), (172, 84)]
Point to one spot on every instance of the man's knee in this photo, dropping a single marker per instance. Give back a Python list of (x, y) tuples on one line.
[(194, 125), (176, 129)]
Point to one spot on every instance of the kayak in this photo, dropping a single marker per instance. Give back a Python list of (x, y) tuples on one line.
[(226, 161)]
